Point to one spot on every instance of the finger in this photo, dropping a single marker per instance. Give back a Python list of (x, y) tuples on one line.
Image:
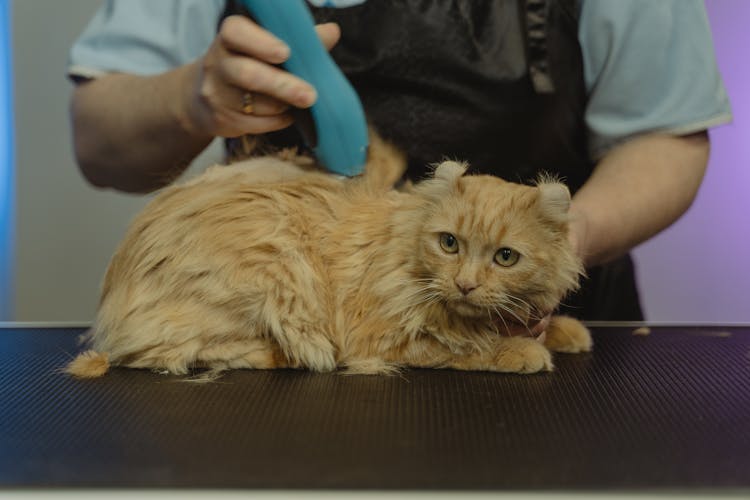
[(512, 328), (329, 34), (540, 326), (532, 329), (262, 78), (241, 35), (243, 124)]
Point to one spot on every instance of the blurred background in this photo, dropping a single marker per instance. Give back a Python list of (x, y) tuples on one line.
[(57, 233)]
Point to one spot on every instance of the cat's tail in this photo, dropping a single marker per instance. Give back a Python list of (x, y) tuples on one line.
[(385, 165), (88, 364)]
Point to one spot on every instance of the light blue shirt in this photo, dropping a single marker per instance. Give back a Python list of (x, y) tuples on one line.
[(649, 65)]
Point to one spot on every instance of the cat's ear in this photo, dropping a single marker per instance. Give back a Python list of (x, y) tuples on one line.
[(554, 200), (450, 170), (445, 179)]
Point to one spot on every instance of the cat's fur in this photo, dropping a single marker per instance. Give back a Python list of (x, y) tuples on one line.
[(267, 264)]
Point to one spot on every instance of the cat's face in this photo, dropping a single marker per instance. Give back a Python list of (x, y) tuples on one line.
[(490, 248)]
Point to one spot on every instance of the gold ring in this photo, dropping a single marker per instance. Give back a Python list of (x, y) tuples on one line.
[(248, 102)]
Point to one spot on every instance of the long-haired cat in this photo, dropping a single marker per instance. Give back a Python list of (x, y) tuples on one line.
[(266, 264)]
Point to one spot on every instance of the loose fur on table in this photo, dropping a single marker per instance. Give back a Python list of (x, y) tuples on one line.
[(271, 263)]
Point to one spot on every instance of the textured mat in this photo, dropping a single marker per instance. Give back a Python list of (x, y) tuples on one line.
[(666, 411)]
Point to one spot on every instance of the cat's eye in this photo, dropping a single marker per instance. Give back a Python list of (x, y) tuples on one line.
[(506, 257), (448, 243)]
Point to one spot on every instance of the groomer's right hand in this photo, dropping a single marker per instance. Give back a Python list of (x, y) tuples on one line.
[(236, 89)]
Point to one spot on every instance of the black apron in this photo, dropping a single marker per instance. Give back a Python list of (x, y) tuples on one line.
[(498, 83)]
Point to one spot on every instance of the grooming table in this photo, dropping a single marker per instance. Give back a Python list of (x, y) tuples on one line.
[(664, 412)]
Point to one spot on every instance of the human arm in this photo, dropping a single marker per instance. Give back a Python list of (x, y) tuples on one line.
[(654, 89), (137, 133), (636, 190)]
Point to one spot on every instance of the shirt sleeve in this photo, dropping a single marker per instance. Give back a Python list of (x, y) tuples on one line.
[(144, 37), (648, 66)]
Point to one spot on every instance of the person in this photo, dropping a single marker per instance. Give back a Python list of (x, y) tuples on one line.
[(614, 97)]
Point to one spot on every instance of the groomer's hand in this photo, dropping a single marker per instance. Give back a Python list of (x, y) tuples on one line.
[(235, 89), (534, 327)]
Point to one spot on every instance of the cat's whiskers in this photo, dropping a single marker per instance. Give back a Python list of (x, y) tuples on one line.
[(486, 334), (532, 312), (508, 306), (515, 316), (425, 291), (569, 305), (429, 299), (489, 316), (500, 315), (521, 304)]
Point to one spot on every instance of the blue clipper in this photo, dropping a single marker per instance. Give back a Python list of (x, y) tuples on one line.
[(341, 139)]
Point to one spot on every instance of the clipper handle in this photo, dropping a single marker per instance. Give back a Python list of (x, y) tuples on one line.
[(340, 127)]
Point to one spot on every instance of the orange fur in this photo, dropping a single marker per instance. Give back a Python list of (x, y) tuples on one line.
[(268, 264)]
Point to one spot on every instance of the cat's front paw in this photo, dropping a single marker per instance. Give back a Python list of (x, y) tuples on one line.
[(522, 355), (566, 334)]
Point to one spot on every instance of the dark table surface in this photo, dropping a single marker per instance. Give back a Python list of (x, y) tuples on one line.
[(663, 412)]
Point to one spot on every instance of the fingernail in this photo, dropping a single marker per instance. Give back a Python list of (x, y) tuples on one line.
[(307, 97), (281, 52)]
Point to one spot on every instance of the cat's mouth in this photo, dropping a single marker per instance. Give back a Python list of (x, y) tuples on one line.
[(467, 308)]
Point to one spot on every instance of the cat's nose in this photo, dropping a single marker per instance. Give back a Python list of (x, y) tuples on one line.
[(466, 286)]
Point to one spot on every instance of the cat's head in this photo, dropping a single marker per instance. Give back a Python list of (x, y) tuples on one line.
[(490, 247)]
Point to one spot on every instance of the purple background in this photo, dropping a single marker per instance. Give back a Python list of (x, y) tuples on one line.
[(699, 269)]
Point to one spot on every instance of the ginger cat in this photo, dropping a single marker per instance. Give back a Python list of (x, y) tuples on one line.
[(269, 264)]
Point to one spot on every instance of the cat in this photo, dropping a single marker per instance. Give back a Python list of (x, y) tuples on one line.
[(272, 263)]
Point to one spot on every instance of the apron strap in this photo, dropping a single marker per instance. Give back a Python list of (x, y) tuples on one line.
[(535, 16)]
